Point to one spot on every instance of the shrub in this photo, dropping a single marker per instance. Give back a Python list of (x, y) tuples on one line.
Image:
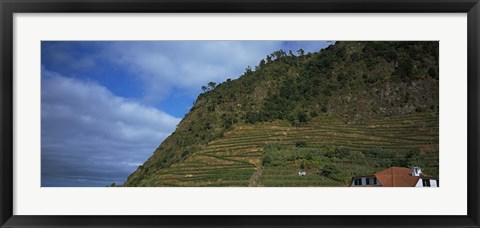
[(343, 152), (272, 146), (302, 117), (309, 155), (412, 158), (420, 109), (329, 170), (324, 108), (332, 153), (251, 118), (384, 158), (300, 144), (266, 160)]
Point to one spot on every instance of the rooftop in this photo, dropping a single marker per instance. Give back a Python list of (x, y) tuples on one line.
[(397, 177)]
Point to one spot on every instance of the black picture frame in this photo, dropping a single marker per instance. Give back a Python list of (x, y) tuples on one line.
[(9, 7)]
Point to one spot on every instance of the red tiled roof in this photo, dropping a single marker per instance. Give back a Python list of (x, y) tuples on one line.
[(397, 177)]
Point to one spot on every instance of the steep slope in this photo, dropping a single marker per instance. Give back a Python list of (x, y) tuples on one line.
[(356, 106)]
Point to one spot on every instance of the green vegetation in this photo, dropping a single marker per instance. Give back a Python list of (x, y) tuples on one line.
[(331, 152), (353, 108)]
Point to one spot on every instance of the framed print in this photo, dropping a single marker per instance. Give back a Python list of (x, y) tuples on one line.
[(255, 114)]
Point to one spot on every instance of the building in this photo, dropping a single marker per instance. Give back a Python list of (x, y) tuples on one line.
[(395, 177)]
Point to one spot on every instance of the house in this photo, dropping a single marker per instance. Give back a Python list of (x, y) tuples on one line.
[(395, 177)]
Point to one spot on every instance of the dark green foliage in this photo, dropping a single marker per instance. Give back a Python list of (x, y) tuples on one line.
[(420, 109), (405, 69), (228, 124), (302, 117), (413, 158), (300, 52), (212, 85), (251, 118), (262, 63), (332, 153), (324, 108), (269, 58), (273, 147), (386, 50), (343, 152), (330, 170), (386, 158), (300, 144), (275, 155), (316, 82)]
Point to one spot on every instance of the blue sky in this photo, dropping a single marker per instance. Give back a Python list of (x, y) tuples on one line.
[(106, 105)]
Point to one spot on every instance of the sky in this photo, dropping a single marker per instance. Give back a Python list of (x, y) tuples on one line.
[(107, 105)]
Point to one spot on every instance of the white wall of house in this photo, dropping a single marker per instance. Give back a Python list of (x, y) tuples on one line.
[(419, 183), (433, 183), (364, 181), (353, 182)]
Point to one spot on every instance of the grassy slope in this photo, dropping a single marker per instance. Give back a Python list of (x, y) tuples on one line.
[(236, 159)]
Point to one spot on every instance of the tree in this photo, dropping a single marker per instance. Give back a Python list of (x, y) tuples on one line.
[(269, 58), (412, 158), (301, 52), (248, 70), (262, 63), (385, 158), (204, 88), (278, 54), (251, 118), (212, 85)]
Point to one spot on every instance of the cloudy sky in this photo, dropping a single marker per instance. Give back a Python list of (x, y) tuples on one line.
[(106, 106)]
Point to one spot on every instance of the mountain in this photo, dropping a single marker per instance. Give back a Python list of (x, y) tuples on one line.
[(351, 109)]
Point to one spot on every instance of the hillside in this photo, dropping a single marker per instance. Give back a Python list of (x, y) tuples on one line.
[(351, 109)]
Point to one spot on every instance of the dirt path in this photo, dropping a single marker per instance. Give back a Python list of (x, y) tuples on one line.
[(254, 179)]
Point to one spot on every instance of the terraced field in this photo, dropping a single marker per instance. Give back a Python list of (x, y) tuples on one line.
[(236, 159)]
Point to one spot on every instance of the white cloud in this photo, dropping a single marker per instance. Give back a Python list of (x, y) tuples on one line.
[(186, 65), (94, 133), (165, 66)]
